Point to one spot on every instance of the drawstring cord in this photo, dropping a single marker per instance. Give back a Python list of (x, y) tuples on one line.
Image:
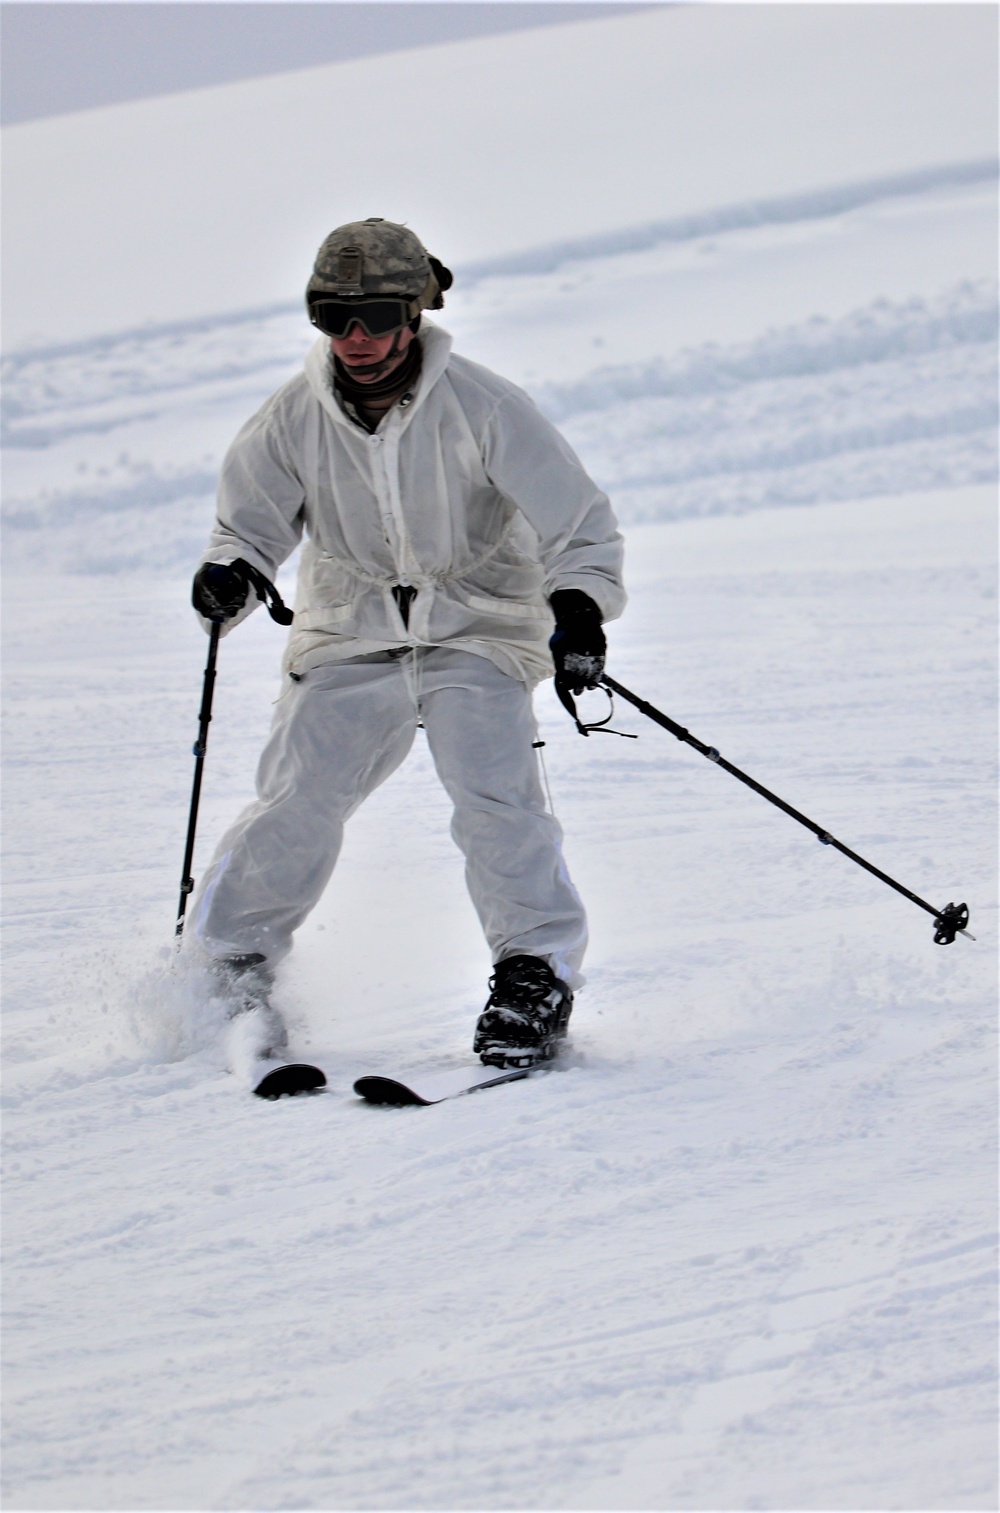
[(412, 667), (545, 775)]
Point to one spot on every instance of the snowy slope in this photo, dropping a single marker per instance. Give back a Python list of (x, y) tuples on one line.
[(767, 365), (214, 200), (740, 1251)]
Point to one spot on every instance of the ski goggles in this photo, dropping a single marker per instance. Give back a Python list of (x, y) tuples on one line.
[(376, 317)]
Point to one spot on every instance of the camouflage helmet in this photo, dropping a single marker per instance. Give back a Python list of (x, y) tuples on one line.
[(374, 258)]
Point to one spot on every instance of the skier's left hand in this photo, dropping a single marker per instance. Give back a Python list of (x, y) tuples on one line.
[(577, 644)]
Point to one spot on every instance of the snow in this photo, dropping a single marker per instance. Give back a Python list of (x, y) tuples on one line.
[(739, 1252), (819, 381), (216, 199)]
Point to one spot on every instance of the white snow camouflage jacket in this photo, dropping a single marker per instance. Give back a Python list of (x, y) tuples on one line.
[(465, 492)]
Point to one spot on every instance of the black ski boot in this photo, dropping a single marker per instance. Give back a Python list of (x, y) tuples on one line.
[(525, 1016)]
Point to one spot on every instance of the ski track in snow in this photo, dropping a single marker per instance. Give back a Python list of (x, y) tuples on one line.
[(740, 1251), (892, 396)]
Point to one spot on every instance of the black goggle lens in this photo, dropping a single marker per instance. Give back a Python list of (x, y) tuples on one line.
[(378, 317)]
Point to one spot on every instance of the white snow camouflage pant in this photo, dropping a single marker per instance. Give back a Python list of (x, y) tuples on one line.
[(340, 732)]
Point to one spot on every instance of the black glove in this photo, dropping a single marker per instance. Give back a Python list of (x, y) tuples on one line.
[(220, 589), (577, 644)]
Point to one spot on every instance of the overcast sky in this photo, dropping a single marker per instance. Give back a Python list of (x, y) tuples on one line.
[(64, 57)]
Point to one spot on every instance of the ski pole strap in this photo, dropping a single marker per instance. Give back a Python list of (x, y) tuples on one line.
[(266, 593), (949, 922), (600, 727)]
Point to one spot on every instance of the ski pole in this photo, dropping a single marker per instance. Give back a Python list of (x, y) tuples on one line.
[(200, 747), (949, 922), (268, 594)]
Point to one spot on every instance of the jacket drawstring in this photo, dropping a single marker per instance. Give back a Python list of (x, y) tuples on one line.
[(413, 668)]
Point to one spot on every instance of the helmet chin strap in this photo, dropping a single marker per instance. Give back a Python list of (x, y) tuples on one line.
[(377, 369), (402, 375)]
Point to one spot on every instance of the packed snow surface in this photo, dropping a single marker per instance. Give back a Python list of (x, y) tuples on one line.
[(737, 1253), (738, 1250)]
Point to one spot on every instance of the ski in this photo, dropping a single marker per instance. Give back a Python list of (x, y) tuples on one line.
[(284, 1079), (436, 1087)]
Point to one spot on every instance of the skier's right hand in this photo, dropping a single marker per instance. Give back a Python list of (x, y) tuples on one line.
[(220, 589)]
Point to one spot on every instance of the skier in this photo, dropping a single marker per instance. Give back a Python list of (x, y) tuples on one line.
[(456, 553)]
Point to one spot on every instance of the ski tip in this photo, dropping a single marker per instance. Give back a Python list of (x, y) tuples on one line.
[(387, 1091), (288, 1080)]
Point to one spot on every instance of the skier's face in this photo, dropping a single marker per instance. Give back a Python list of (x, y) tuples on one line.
[(360, 352)]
